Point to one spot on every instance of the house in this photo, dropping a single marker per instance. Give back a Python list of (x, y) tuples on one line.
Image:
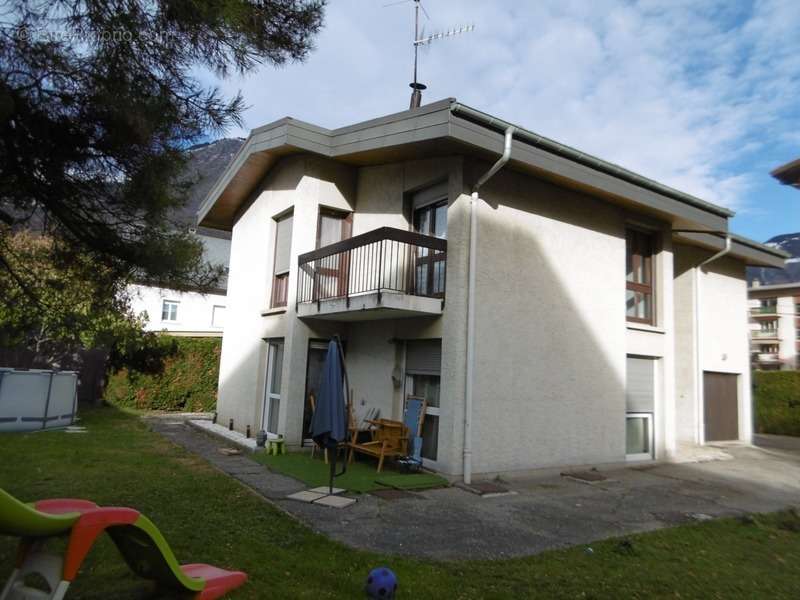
[(552, 308), (775, 326), (192, 313), (187, 313), (788, 174)]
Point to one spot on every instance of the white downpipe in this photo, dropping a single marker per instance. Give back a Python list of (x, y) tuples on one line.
[(700, 435), (473, 259)]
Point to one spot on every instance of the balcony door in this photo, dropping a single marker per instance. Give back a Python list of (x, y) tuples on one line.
[(332, 271), (430, 218)]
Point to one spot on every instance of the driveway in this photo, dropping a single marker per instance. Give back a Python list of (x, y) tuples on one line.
[(542, 513)]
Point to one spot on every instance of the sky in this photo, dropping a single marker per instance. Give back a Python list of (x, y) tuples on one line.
[(701, 95)]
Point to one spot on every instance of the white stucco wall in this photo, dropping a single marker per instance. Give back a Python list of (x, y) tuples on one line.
[(686, 402), (723, 341), (299, 184), (550, 328), (195, 311)]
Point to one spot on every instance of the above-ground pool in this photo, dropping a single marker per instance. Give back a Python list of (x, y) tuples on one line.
[(34, 399)]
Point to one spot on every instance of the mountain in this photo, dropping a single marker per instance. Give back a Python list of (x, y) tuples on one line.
[(788, 242), (206, 163)]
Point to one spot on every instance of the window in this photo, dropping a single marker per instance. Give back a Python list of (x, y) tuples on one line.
[(430, 219), (639, 407), (639, 251), (423, 379), (218, 316), (272, 387), (332, 272), (283, 250), (169, 310), (639, 436)]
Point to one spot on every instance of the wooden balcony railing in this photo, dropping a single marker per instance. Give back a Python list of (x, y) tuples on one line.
[(382, 260)]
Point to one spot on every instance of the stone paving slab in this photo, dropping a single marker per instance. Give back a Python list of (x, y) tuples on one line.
[(306, 496), (335, 501), (548, 511), (327, 491)]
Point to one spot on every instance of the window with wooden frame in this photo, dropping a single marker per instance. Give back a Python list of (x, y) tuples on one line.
[(283, 249), (332, 272), (639, 279), (430, 266)]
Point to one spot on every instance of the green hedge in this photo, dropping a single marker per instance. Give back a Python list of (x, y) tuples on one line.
[(186, 381), (777, 402)]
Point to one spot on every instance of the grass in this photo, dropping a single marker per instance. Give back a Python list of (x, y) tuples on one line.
[(359, 477), (208, 517)]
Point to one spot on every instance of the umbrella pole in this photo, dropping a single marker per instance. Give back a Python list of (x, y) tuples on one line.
[(349, 403), (332, 460)]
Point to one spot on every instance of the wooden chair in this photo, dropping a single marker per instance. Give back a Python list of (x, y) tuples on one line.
[(389, 440)]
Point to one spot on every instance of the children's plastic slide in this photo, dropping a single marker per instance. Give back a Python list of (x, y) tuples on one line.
[(137, 538)]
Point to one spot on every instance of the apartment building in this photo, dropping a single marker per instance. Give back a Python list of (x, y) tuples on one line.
[(552, 308), (775, 326)]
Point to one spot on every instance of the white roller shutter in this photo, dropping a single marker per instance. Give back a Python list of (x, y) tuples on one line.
[(640, 385)]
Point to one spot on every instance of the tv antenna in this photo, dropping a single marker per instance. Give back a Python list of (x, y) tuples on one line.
[(421, 40)]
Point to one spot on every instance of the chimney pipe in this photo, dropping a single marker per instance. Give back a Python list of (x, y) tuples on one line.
[(416, 95)]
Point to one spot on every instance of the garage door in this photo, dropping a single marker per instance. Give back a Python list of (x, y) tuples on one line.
[(721, 406)]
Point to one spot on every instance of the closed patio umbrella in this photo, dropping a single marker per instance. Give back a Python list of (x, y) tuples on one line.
[(329, 423)]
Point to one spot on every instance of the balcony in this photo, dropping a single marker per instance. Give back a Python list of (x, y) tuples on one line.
[(386, 273), (765, 334), (767, 357), (761, 311)]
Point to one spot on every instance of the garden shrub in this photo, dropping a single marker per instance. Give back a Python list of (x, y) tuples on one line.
[(186, 381), (777, 402)]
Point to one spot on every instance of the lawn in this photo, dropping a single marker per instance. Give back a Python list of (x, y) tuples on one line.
[(208, 517), (359, 477)]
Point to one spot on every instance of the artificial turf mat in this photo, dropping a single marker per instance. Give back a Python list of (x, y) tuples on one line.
[(360, 477)]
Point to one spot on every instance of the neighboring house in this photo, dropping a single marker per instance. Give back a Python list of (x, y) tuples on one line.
[(598, 333), (775, 326), (788, 174), (192, 313)]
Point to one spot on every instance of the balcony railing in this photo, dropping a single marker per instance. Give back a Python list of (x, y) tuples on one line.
[(765, 333), (764, 310), (382, 260)]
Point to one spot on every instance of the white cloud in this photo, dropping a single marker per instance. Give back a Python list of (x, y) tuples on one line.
[(681, 91)]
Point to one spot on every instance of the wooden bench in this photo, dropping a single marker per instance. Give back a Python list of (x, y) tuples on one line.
[(389, 440)]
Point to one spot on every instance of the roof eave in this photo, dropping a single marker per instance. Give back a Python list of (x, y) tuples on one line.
[(751, 252), (441, 121), (788, 174)]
